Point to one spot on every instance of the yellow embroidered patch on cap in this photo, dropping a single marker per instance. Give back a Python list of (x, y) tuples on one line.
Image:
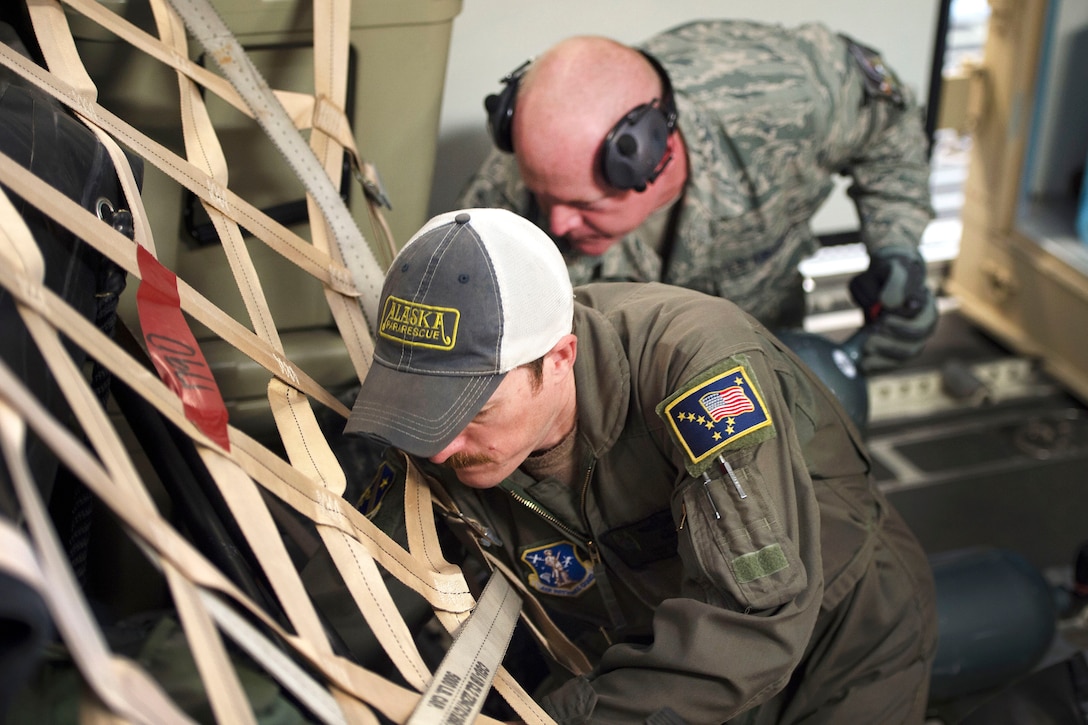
[(719, 410), (411, 323)]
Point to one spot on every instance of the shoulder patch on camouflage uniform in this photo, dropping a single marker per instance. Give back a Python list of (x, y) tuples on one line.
[(721, 409), (371, 500), (880, 80)]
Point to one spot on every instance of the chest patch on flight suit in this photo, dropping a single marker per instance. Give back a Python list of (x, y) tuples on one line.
[(720, 410), (557, 569), (371, 500)]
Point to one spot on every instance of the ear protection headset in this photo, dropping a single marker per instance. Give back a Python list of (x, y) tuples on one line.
[(634, 151)]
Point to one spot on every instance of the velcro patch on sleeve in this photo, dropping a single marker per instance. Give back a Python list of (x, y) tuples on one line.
[(719, 410), (758, 564)]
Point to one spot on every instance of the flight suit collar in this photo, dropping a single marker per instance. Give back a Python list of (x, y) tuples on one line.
[(602, 378)]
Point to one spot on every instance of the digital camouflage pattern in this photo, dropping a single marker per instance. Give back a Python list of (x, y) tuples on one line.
[(769, 115)]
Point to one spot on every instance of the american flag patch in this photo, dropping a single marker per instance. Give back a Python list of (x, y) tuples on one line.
[(730, 401), (715, 413)]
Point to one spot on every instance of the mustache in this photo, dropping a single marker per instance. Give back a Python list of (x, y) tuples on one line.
[(465, 460)]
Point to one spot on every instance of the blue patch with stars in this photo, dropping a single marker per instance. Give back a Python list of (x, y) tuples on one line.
[(556, 568), (719, 410), (372, 497)]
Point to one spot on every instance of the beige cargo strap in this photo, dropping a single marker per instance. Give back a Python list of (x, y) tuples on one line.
[(162, 542), (126, 689), (310, 454), (313, 491), (59, 49), (483, 633), (280, 239), (17, 558), (423, 542), (445, 591), (418, 501), (208, 28), (331, 23), (460, 685), (202, 147)]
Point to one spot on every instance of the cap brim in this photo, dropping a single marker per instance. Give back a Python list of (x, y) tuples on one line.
[(419, 414)]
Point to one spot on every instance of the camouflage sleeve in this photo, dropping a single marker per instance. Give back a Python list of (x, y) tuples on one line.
[(876, 136), (496, 184)]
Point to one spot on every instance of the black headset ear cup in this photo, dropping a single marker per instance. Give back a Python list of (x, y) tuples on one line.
[(634, 149), (633, 153), (500, 110), (500, 117)]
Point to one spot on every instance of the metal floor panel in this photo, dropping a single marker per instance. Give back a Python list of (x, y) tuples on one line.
[(1006, 467), (1013, 479)]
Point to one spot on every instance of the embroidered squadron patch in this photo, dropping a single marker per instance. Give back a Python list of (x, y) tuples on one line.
[(557, 569), (371, 500), (717, 411)]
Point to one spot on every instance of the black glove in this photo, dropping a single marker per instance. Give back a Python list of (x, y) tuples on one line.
[(900, 311)]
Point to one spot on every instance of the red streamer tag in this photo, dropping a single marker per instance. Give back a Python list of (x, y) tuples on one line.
[(174, 350)]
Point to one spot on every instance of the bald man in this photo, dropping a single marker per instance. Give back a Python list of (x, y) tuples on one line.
[(700, 157)]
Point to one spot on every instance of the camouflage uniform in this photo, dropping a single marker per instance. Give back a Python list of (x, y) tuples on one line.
[(769, 116), (794, 592)]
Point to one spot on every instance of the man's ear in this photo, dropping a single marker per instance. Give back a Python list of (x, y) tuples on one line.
[(563, 353)]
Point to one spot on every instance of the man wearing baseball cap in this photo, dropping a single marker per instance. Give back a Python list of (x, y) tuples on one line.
[(690, 502)]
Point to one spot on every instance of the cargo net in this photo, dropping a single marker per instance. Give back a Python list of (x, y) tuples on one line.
[(217, 621)]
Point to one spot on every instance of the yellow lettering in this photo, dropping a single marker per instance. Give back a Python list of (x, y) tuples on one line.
[(413, 324)]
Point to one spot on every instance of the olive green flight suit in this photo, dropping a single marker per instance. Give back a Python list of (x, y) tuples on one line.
[(779, 587)]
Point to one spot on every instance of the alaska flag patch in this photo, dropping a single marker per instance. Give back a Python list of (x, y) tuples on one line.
[(371, 500), (717, 411)]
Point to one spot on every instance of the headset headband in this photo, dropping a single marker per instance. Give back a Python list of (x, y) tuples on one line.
[(634, 151)]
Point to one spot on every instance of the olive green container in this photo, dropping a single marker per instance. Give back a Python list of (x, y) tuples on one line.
[(397, 66)]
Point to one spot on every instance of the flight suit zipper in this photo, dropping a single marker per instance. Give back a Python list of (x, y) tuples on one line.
[(608, 595), (552, 519)]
